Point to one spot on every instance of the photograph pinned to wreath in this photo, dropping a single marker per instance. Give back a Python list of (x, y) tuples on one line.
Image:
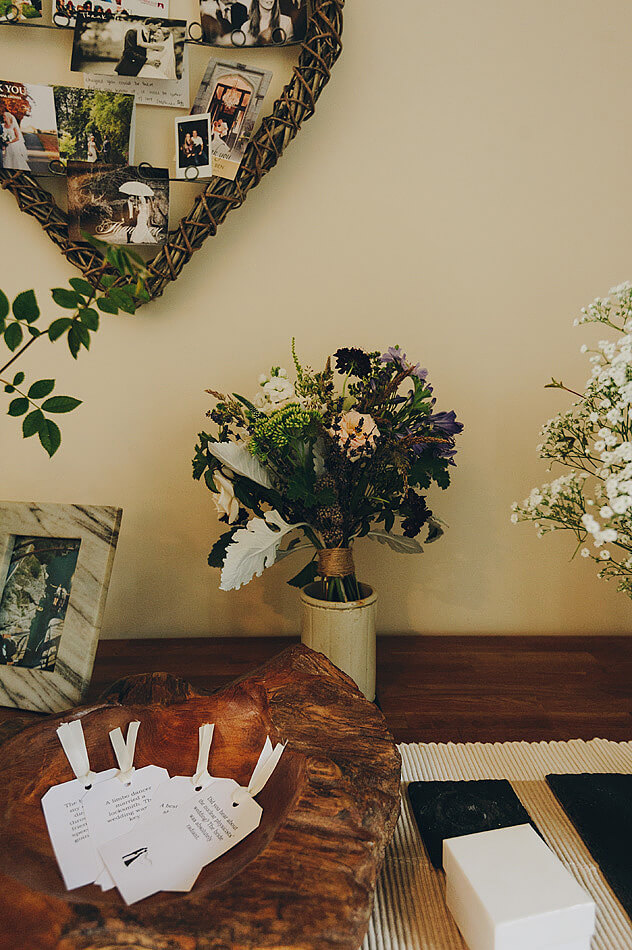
[(316, 464)]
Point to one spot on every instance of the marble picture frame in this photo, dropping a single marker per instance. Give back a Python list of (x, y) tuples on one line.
[(97, 530)]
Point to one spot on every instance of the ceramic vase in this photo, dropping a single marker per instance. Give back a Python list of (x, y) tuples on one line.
[(344, 632)]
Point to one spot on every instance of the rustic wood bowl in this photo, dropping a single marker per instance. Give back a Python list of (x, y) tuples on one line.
[(303, 879)]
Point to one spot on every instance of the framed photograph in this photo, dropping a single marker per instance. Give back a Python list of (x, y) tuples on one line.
[(232, 95), (193, 147), (65, 12), (254, 22), (119, 204), (55, 566), (147, 48), (12, 11)]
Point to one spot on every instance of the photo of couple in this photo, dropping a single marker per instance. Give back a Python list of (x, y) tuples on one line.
[(118, 204), (231, 95), (145, 48), (28, 128), (253, 23), (193, 138)]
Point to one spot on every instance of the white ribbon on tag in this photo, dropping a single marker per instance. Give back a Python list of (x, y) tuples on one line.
[(268, 761), (124, 750), (73, 742), (202, 778)]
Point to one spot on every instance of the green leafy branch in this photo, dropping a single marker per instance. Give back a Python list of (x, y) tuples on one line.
[(20, 329)]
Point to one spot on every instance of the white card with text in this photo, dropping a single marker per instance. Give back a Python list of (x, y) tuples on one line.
[(77, 856), (169, 852)]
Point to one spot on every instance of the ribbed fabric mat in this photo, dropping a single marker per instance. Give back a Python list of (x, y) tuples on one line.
[(410, 912)]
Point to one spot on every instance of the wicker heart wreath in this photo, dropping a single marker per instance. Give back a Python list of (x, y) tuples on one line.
[(319, 51)]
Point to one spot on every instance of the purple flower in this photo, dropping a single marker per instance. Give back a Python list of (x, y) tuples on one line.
[(446, 422), (393, 355), (397, 356)]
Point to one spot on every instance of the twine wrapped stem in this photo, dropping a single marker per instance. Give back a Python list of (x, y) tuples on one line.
[(335, 562), (337, 570)]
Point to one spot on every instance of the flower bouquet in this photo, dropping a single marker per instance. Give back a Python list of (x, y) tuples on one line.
[(593, 440), (314, 464)]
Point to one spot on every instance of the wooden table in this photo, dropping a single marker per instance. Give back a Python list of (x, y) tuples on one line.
[(439, 689)]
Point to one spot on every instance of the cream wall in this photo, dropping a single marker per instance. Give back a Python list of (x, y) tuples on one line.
[(464, 188)]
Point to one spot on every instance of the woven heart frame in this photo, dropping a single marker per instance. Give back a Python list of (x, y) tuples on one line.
[(297, 103)]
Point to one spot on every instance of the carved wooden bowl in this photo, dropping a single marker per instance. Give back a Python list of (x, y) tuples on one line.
[(303, 879)]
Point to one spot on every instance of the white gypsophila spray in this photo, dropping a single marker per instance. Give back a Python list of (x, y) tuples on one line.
[(593, 439)]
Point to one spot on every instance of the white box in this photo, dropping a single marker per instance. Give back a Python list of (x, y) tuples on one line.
[(507, 891)]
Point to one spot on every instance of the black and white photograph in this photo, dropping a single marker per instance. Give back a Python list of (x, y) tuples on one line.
[(35, 600), (253, 22), (28, 128), (193, 147), (147, 48), (232, 95), (55, 566), (65, 12), (118, 204)]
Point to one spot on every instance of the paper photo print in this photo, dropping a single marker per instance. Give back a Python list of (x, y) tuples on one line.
[(94, 127), (102, 11), (231, 94), (148, 48), (28, 128), (253, 22), (34, 601), (118, 204), (193, 147), (12, 11)]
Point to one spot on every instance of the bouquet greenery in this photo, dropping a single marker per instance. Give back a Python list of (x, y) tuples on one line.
[(327, 464), (593, 439)]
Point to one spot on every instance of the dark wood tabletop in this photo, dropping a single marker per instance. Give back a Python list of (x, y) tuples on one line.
[(431, 688)]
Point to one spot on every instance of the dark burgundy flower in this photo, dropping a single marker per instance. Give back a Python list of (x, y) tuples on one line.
[(353, 360)]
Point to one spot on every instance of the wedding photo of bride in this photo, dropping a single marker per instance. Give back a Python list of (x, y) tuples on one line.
[(144, 48), (118, 204), (28, 127)]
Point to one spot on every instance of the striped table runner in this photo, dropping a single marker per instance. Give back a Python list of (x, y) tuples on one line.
[(410, 912)]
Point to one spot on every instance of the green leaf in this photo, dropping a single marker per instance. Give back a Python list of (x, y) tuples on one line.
[(68, 299), (33, 330), (210, 483), (108, 280), (61, 404), (58, 328), (4, 310), (41, 388), (218, 551), (123, 299), (89, 318), (74, 343), (18, 378), (306, 576), (82, 286), (32, 422), (107, 306), (25, 307), (13, 336), (17, 407), (49, 436)]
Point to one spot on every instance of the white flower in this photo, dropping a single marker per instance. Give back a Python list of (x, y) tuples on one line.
[(225, 500), (514, 518), (606, 511), (604, 555), (276, 391), (585, 552)]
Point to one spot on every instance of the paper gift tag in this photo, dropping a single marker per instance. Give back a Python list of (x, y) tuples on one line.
[(179, 788), (75, 851), (168, 853), (113, 807), (174, 848)]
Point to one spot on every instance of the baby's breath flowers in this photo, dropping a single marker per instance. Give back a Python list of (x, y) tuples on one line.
[(329, 459), (593, 439)]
